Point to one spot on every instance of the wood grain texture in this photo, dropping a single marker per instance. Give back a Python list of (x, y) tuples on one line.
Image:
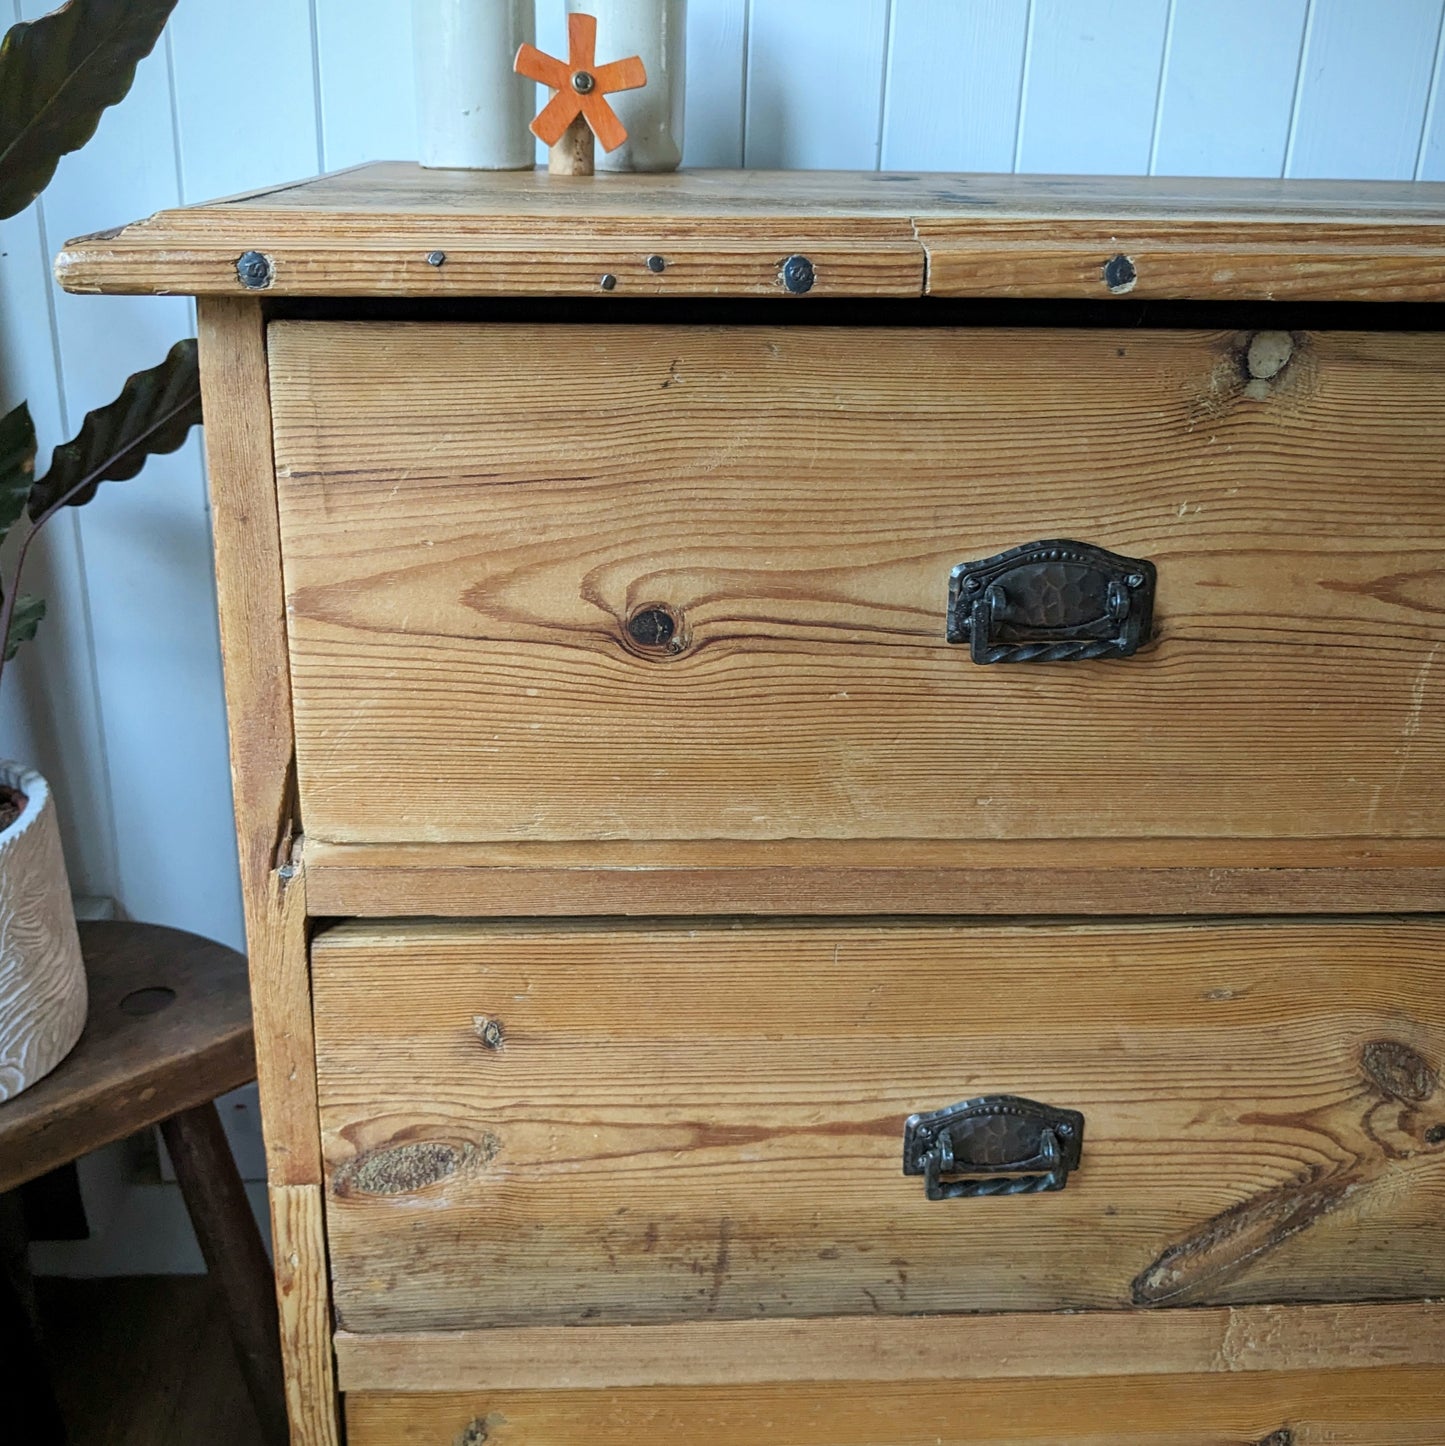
[(299, 1248), (367, 232), (832, 876), (1352, 1408), (235, 393), (1184, 260), (570, 1123), (133, 1069), (463, 556), (897, 1348)]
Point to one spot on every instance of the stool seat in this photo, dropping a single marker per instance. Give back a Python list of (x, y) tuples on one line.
[(169, 1027)]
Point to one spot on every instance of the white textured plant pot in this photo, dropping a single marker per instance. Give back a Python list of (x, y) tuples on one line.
[(657, 31), (473, 109), (42, 978)]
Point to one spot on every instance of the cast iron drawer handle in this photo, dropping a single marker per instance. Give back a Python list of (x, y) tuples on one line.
[(1051, 602), (994, 1145)]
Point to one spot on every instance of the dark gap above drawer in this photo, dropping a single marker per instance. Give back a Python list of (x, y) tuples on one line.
[(1190, 315)]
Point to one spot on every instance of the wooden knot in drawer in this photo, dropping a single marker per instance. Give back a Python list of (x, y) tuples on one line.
[(655, 630), (413, 1165)]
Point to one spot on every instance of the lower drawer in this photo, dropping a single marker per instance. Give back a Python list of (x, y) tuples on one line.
[(591, 1122), (1395, 1407)]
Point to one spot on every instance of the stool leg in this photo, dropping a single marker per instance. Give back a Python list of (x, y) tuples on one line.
[(234, 1252)]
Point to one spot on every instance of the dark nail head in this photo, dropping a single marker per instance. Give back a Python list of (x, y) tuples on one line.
[(797, 274), (1119, 273), (255, 270)]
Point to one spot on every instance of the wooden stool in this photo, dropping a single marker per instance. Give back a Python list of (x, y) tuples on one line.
[(169, 1029)]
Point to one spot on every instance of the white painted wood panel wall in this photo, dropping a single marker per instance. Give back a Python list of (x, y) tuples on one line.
[(120, 701)]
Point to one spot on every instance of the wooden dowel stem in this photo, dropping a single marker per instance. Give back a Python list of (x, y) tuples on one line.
[(573, 154)]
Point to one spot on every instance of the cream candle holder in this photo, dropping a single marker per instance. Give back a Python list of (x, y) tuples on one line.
[(472, 108)]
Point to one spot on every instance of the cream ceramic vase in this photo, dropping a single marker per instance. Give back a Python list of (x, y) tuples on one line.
[(657, 31), (42, 979), (472, 107)]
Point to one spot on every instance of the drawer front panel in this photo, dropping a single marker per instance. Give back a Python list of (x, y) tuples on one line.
[(532, 1124), (599, 583), (1400, 1407)]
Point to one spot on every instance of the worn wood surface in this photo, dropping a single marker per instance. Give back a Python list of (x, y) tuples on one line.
[(531, 1124), (463, 558), (368, 231), (898, 1348), (1353, 1408), (298, 1243), (235, 393), (169, 1028), (833, 876)]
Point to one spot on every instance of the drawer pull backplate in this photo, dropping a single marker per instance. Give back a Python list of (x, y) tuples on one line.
[(1050, 602), (994, 1145)]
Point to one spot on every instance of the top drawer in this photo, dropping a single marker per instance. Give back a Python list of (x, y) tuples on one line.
[(652, 582)]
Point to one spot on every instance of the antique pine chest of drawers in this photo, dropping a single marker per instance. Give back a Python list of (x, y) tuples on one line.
[(838, 782)]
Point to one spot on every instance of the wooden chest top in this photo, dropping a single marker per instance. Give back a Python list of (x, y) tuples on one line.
[(393, 229)]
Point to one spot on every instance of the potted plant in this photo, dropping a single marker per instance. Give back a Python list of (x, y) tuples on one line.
[(57, 75)]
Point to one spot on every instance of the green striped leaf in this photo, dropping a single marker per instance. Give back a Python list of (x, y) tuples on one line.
[(23, 621), (153, 413), (57, 75), (17, 466)]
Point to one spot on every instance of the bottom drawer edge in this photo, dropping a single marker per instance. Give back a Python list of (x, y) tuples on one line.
[(1384, 1406), (951, 1348)]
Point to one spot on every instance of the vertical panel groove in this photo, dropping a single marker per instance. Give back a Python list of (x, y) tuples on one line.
[(1023, 87), (812, 85), (883, 83), (1164, 52), (316, 86), (176, 140), (60, 379), (1431, 100), (747, 71), (1299, 80)]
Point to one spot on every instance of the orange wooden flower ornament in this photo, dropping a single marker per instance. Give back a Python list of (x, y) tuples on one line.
[(579, 111)]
